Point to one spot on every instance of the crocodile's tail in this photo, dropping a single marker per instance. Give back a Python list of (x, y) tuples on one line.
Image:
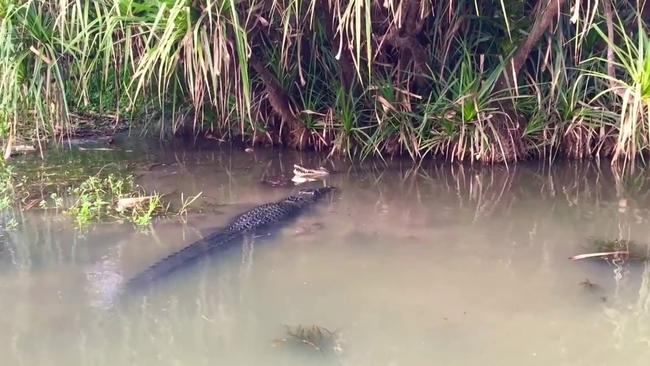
[(173, 261)]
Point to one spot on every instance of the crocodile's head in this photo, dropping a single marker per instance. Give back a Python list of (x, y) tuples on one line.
[(309, 195)]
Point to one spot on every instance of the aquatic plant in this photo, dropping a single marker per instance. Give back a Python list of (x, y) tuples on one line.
[(103, 197), (618, 249), (6, 185), (185, 205), (90, 186), (11, 224), (479, 80)]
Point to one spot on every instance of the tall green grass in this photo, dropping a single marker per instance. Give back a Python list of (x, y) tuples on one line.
[(357, 77)]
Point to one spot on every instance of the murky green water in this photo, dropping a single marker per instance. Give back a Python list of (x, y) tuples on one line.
[(444, 265)]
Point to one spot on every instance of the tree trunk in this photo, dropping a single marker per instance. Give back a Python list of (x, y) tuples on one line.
[(281, 105), (543, 21), (507, 124)]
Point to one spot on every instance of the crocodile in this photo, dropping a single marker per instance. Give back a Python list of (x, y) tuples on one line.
[(259, 218)]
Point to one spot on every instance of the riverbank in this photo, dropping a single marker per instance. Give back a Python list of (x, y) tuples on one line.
[(478, 81)]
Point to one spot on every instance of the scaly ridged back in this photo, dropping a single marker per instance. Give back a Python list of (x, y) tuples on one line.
[(263, 215), (254, 219)]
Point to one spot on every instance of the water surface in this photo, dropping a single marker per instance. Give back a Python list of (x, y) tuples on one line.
[(444, 264)]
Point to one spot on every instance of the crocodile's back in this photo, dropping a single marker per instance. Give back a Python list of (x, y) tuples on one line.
[(260, 217), (263, 215)]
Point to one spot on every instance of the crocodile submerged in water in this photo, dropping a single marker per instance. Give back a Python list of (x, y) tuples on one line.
[(258, 218)]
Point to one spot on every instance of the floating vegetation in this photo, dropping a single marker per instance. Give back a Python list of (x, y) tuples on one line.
[(11, 224), (314, 337), (587, 284), (88, 186), (615, 250), (594, 289), (28, 181), (6, 186), (117, 197)]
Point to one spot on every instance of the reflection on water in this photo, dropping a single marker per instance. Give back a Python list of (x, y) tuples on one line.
[(443, 264)]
